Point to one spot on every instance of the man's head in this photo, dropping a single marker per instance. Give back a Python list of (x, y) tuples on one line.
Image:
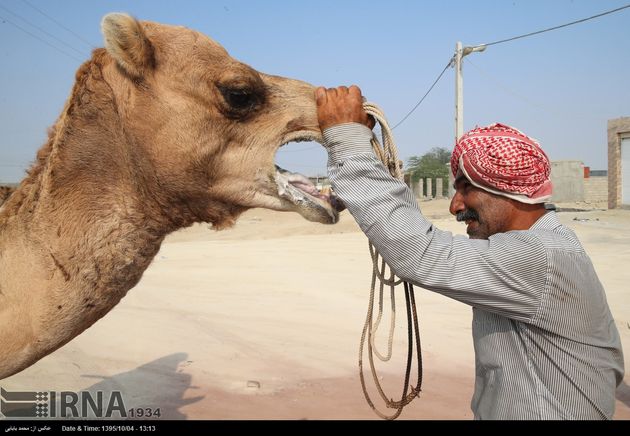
[(501, 180)]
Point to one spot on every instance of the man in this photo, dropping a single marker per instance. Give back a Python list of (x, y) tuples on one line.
[(546, 345)]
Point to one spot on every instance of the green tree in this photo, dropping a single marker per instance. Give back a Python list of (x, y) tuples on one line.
[(430, 165)]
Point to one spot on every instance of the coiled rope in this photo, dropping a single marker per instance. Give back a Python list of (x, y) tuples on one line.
[(388, 154)]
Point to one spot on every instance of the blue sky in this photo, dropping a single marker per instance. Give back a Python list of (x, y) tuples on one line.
[(560, 87)]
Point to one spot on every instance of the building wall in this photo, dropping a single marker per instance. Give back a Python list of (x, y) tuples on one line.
[(596, 189), (617, 129), (567, 177)]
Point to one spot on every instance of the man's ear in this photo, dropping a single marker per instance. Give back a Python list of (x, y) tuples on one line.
[(127, 43)]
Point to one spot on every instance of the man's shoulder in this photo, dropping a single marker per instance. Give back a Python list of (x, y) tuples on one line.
[(555, 235), (547, 232)]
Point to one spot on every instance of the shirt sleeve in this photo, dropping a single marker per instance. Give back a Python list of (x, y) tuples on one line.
[(505, 274)]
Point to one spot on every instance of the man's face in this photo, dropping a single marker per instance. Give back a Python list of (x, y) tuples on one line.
[(484, 213)]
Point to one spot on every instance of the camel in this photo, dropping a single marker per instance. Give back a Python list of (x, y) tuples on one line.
[(162, 129)]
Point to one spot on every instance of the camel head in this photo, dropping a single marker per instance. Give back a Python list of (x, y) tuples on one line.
[(162, 129), (208, 126)]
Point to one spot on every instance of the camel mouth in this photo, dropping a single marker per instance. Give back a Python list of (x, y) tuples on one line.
[(314, 204), (317, 205)]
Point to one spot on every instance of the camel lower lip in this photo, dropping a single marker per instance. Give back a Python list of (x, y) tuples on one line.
[(311, 203)]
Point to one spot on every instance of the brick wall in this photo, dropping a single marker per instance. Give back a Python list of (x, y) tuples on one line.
[(617, 129), (596, 189)]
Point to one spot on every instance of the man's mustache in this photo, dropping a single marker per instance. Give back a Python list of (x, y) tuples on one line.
[(468, 214)]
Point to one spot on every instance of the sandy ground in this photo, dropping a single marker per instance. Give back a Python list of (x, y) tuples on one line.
[(263, 322)]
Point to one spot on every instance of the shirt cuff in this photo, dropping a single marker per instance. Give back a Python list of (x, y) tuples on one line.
[(346, 140)]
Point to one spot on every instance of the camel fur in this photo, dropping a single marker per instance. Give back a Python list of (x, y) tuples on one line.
[(162, 129)]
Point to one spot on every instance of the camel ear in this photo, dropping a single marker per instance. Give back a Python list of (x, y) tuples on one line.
[(126, 42)]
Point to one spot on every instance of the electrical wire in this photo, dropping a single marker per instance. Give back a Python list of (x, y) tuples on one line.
[(42, 30), (6, 20), (538, 32), (79, 37), (450, 62)]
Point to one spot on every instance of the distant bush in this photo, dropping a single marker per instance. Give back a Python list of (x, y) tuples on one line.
[(432, 165)]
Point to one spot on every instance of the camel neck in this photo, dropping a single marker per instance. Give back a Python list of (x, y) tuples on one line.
[(61, 272), (93, 236), (85, 223), (86, 209)]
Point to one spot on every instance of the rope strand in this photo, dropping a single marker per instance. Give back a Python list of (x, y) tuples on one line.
[(388, 154)]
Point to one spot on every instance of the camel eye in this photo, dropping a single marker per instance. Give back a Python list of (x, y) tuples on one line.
[(239, 99)]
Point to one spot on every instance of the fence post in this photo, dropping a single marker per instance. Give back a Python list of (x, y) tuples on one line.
[(439, 186)]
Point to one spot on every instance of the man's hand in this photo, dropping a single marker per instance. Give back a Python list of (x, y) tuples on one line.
[(341, 105)]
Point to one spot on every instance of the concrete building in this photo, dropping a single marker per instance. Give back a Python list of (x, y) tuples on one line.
[(619, 163), (567, 177), (573, 182)]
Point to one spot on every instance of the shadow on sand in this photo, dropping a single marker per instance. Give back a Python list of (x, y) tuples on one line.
[(157, 384)]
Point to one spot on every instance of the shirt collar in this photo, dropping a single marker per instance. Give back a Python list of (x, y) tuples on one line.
[(548, 221)]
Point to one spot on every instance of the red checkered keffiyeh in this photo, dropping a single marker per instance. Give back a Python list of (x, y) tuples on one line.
[(504, 161)]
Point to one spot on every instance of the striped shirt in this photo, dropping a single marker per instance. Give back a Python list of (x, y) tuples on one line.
[(546, 345)]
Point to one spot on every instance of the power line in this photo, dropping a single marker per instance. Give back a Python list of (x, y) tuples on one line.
[(60, 25), (42, 30), (508, 40), (450, 62), (556, 27), (5, 20)]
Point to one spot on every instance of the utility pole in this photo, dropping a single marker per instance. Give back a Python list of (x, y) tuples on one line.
[(459, 92), (460, 53)]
